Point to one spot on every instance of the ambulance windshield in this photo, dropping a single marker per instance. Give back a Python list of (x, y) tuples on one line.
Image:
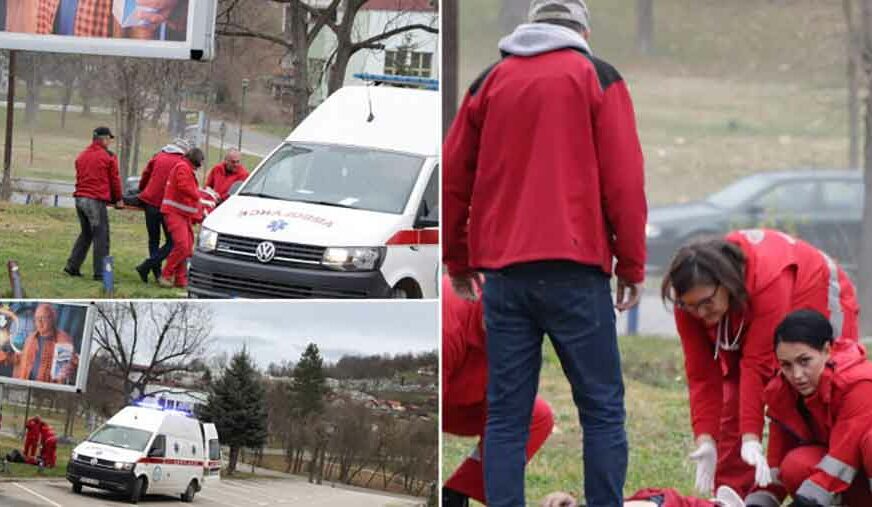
[(341, 176), (120, 436)]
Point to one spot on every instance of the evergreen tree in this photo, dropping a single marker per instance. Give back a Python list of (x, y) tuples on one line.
[(237, 406), (309, 385)]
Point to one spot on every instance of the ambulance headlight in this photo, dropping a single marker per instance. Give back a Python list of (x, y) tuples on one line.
[(208, 241), (652, 231), (353, 258), (74, 456), (123, 466)]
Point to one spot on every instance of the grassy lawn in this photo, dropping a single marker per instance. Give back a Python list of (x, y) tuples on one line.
[(658, 425), (272, 129), (713, 105), (40, 239), (18, 470), (55, 148)]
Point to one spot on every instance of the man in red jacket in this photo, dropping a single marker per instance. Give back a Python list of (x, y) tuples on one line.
[(464, 391), (152, 186), (180, 206), (543, 188), (97, 184), (225, 174)]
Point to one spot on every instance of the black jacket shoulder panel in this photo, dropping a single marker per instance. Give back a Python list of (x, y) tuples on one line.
[(606, 74), (473, 88)]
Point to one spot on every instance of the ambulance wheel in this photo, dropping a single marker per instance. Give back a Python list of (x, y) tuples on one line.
[(188, 495), (77, 488), (138, 490)]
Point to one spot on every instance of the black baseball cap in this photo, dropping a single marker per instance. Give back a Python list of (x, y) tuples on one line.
[(103, 131)]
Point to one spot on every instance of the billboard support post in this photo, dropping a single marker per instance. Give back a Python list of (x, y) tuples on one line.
[(6, 190), (242, 111), (27, 406), (15, 280)]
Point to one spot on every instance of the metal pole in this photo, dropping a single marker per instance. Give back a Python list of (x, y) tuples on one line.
[(242, 111), (27, 406), (450, 54), (6, 190)]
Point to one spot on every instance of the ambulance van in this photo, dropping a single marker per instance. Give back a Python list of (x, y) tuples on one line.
[(144, 450), (346, 207)]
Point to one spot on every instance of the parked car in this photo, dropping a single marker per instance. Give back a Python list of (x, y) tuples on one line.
[(823, 207)]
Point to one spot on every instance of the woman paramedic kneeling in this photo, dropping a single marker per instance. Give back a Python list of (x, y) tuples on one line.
[(820, 430), (729, 296), (464, 394)]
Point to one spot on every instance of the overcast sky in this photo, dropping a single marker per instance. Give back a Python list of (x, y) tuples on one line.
[(279, 331)]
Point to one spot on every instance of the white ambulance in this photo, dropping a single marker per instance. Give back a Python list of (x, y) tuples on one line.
[(147, 450), (346, 207)]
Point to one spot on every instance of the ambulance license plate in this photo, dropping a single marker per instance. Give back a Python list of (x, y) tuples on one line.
[(87, 480)]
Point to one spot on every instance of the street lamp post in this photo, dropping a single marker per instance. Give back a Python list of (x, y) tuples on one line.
[(242, 111)]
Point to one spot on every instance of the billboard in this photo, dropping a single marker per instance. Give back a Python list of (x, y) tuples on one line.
[(45, 345), (176, 29)]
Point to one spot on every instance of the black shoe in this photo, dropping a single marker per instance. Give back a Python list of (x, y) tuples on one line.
[(71, 272), (142, 269), (451, 498)]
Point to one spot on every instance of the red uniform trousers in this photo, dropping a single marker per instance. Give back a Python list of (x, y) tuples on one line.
[(49, 452), (731, 470), (470, 421), (30, 445), (799, 464), (182, 232)]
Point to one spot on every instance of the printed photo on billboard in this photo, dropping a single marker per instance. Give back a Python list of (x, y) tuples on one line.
[(146, 28), (45, 345)]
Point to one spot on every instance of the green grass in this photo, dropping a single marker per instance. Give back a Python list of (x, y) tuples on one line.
[(278, 130), (13, 417), (55, 149), (658, 425), (18, 470), (40, 239)]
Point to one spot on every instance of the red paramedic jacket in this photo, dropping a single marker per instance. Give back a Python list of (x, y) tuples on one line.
[(840, 413), (182, 195), (97, 174), (782, 274), (464, 356), (220, 180), (543, 162), (153, 182)]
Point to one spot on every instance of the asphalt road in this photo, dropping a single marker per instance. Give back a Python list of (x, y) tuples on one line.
[(229, 493)]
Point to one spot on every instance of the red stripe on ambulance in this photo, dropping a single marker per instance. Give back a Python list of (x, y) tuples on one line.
[(170, 461), (415, 237)]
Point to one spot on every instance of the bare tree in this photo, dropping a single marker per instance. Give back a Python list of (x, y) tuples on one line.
[(142, 342), (645, 26), (853, 46), (865, 263)]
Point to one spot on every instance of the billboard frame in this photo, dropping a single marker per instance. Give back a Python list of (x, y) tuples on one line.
[(85, 351), (199, 46)]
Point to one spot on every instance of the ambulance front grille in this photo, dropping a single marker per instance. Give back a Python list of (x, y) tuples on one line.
[(289, 254), (241, 287), (101, 463)]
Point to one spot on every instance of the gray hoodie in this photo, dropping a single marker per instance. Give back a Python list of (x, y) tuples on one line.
[(536, 38)]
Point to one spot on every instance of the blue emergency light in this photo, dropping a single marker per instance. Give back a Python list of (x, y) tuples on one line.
[(418, 82), (160, 404)]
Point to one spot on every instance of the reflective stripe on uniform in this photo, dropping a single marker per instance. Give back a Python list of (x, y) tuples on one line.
[(763, 499), (812, 491), (179, 205), (838, 469), (834, 297)]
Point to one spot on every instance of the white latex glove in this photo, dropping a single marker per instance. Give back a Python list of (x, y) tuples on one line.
[(752, 454), (706, 458)]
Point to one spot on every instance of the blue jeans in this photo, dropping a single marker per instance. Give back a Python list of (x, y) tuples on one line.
[(572, 304)]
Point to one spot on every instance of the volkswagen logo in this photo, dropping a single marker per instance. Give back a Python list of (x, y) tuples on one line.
[(265, 251), (94, 461)]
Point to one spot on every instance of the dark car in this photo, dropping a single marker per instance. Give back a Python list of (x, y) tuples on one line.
[(823, 207)]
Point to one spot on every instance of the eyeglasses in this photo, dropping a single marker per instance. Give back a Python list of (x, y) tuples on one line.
[(706, 304)]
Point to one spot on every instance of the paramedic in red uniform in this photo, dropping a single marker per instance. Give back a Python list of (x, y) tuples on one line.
[(152, 186), (820, 434), (180, 207), (31, 436), (543, 191), (97, 184), (225, 174), (464, 392), (49, 453), (729, 296)]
